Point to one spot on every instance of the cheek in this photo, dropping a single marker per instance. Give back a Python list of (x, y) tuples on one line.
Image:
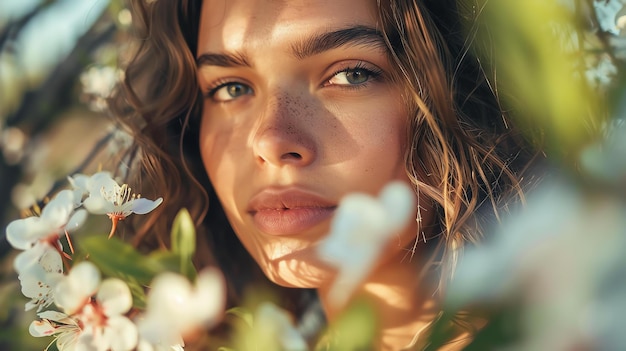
[(381, 133), (211, 150), (218, 156), (380, 122), (219, 145)]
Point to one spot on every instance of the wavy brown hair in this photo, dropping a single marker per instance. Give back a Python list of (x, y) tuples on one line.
[(464, 154)]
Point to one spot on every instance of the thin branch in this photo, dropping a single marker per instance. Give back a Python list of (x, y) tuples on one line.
[(56, 91), (12, 28)]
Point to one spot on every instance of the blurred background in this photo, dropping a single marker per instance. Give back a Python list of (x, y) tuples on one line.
[(562, 59), (58, 62)]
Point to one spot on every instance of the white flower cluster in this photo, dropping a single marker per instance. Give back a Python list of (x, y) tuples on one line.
[(94, 313), (562, 258), (610, 14), (364, 224), (98, 83)]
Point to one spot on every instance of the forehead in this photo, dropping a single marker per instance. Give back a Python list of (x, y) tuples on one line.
[(230, 25)]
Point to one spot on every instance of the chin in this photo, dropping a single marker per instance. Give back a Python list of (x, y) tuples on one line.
[(293, 273)]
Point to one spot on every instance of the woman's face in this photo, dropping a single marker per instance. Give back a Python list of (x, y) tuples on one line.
[(299, 110)]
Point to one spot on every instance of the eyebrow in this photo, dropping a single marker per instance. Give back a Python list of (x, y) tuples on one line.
[(311, 46), (223, 60), (352, 36)]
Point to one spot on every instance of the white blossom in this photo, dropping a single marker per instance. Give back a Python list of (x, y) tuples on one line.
[(602, 72), (39, 280), (80, 185), (106, 196), (56, 217), (361, 227), (65, 329), (98, 307), (98, 83), (40, 265), (145, 345), (76, 289), (13, 144), (176, 308), (607, 13), (560, 260)]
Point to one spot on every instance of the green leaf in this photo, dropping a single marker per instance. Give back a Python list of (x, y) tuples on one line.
[(116, 258), (170, 262), (355, 328), (184, 241), (137, 291), (536, 72), (165, 261)]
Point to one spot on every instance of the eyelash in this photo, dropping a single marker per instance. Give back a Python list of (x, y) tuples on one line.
[(217, 85), (373, 74)]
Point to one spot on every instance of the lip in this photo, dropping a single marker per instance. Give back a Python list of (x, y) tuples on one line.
[(288, 211)]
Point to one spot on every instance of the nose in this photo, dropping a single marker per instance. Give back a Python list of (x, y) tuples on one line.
[(284, 134)]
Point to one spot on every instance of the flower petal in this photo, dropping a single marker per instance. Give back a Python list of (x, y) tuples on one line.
[(98, 205), (39, 280), (358, 232), (78, 286), (120, 334), (143, 206), (22, 233), (99, 181), (144, 345), (79, 182), (25, 260), (41, 328), (58, 317), (157, 332), (209, 298), (114, 296), (399, 201), (76, 221), (68, 336), (58, 210), (168, 310), (168, 295), (87, 341)]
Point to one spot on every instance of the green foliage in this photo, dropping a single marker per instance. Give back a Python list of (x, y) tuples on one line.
[(536, 72), (119, 259), (355, 329), (503, 330), (248, 334), (184, 242), (116, 258)]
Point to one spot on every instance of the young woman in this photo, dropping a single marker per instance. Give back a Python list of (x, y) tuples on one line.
[(260, 115)]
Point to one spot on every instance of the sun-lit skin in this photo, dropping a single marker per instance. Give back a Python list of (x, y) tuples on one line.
[(327, 122)]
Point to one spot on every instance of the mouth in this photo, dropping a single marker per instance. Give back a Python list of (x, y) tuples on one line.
[(288, 211)]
